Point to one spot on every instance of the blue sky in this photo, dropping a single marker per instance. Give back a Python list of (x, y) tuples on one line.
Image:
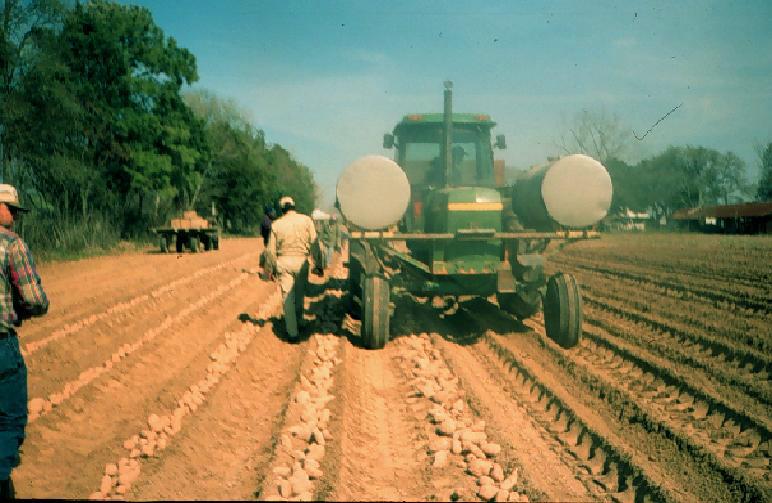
[(326, 79)]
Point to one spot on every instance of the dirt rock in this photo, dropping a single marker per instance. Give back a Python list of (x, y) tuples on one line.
[(300, 482), (488, 492), (36, 405), (502, 496), (106, 485), (490, 449), (479, 426), (476, 437), (497, 473), (480, 467), (282, 471), (484, 481), (317, 436), (440, 459), (456, 448), (111, 469), (315, 451), (439, 444), (285, 489), (447, 427), (510, 482)]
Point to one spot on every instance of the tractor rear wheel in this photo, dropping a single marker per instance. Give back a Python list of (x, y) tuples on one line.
[(375, 312), (563, 310), (207, 242), (179, 241)]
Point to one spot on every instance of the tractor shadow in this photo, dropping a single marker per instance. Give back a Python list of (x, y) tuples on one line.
[(463, 324)]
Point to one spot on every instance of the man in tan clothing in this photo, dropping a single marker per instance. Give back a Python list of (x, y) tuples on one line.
[(293, 238)]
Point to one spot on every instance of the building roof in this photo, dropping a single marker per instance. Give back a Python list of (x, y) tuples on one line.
[(726, 211)]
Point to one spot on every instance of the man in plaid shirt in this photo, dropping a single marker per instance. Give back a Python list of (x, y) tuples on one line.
[(21, 297)]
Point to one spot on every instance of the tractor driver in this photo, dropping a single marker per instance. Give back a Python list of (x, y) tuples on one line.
[(293, 238)]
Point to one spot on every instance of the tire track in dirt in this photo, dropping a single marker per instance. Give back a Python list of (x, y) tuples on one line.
[(736, 445), (732, 355), (379, 459), (82, 434), (679, 465), (745, 386)]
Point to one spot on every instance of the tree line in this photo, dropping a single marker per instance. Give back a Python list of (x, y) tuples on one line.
[(679, 177), (104, 139)]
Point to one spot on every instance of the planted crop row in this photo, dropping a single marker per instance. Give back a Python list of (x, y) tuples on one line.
[(122, 308), (162, 427)]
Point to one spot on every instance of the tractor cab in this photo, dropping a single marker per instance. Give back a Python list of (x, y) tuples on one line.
[(419, 140)]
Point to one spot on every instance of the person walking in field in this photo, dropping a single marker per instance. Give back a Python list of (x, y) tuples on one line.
[(293, 238), (21, 297)]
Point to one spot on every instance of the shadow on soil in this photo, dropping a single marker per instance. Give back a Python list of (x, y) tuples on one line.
[(331, 311)]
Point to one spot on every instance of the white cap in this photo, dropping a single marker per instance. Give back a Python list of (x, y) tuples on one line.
[(10, 196), (285, 201)]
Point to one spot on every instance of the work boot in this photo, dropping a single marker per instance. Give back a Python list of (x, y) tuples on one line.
[(6, 490)]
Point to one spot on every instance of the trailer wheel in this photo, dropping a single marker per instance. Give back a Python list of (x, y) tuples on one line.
[(164, 245), (523, 305), (193, 242), (563, 310), (375, 312), (179, 241)]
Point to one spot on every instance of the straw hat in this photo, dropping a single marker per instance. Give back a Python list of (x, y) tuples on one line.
[(10, 196)]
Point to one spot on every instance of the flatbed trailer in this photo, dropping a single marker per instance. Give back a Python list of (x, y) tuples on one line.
[(192, 239)]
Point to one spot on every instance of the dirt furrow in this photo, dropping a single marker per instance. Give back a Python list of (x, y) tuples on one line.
[(733, 326), (695, 417), (81, 288), (547, 469), (630, 391), (127, 310), (41, 406), (731, 356), (746, 386), (756, 300), (66, 451)]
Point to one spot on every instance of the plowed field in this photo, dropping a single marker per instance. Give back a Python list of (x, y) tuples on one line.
[(165, 376)]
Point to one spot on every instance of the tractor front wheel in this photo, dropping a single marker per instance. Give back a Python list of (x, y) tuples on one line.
[(563, 310), (375, 312)]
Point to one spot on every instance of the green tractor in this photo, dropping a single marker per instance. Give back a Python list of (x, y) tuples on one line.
[(440, 221)]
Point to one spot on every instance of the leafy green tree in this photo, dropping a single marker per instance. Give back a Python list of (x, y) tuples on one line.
[(764, 192), (22, 23)]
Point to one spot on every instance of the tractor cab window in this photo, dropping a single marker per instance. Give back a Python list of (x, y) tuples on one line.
[(420, 157)]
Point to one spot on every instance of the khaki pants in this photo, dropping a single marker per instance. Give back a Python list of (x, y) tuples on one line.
[(293, 276)]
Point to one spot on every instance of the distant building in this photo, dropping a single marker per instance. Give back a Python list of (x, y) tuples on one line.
[(627, 220), (744, 218)]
